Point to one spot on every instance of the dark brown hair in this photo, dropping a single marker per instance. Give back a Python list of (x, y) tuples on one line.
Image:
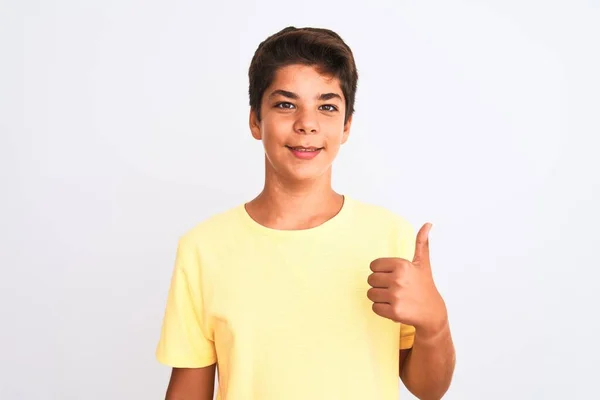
[(318, 47)]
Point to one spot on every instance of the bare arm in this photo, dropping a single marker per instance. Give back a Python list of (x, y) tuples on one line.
[(426, 370), (192, 383)]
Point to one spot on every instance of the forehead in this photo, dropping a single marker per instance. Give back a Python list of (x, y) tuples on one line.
[(305, 80)]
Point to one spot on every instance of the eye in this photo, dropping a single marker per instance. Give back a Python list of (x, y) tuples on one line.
[(329, 107), (284, 105)]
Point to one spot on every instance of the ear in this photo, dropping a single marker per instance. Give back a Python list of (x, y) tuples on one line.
[(346, 132), (255, 125)]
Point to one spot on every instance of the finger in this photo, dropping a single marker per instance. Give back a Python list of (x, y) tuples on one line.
[(382, 265), (379, 279), (378, 295), (384, 310), (422, 245)]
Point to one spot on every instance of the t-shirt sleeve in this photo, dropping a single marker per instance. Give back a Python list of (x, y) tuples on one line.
[(407, 336), (183, 341), (406, 239)]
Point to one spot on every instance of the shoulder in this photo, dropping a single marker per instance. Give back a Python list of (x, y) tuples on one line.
[(213, 227), (386, 225), (381, 216)]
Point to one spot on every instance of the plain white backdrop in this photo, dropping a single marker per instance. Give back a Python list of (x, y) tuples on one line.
[(124, 123)]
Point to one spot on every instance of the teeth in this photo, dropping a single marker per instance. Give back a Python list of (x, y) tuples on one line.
[(303, 149)]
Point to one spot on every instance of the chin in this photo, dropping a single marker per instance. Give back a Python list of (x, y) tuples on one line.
[(299, 171), (305, 174)]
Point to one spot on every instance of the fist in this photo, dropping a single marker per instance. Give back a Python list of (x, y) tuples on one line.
[(405, 292)]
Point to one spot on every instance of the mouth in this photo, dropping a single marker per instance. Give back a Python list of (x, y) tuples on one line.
[(305, 153), (304, 149)]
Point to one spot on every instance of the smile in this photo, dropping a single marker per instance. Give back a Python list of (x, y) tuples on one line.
[(305, 153), (305, 149)]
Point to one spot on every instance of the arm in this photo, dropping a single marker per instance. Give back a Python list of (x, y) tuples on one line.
[(405, 292), (426, 370), (185, 343), (192, 383)]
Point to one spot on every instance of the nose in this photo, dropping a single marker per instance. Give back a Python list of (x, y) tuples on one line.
[(307, 123)]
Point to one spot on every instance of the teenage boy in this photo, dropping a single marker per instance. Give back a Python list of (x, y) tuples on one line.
[(302, 292)]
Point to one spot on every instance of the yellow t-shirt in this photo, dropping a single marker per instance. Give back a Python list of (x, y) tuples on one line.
[(285, 313)]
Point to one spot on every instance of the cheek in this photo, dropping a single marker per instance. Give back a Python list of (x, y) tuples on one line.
[(336, 138), (274, 130)]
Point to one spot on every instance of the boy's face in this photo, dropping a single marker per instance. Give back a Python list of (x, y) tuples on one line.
[(302, 125)]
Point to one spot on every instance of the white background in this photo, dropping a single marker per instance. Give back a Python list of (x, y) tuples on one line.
[(124, 123)]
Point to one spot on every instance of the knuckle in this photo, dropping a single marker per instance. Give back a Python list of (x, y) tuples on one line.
[(400, 280), (404, 281), (397, 313), (401, 265)]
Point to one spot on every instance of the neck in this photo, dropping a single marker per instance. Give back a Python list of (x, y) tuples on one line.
[(284, 204)]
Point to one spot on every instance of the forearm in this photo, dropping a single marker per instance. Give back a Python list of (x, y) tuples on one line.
[(429, 366)]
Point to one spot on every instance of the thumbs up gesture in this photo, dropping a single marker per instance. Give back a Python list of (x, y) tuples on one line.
[(404, 291)]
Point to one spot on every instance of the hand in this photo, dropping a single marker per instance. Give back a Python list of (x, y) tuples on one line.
[(404, 291)]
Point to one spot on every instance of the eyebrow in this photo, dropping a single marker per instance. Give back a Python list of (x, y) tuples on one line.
[(294, 96)]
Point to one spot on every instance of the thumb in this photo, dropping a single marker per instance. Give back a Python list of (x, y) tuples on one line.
[(422, 245)]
